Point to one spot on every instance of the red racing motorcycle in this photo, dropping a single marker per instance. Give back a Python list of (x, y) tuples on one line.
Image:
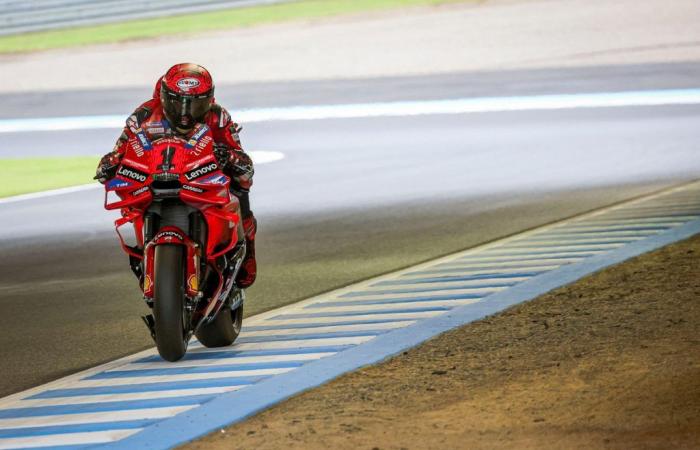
[(189, 241)]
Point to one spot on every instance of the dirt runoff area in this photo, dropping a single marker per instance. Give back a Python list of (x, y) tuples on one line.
[(612, 361)]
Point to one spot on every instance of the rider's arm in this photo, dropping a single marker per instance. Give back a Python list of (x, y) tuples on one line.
[(236, 162), (107, 167)]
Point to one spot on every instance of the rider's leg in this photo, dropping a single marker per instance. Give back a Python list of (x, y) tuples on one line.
[(248, 271)]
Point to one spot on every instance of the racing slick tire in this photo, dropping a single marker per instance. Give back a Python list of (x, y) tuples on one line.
[(223, 330), (169, 302)]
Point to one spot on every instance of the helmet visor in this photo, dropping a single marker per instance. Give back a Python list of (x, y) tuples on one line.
[(185, 111)]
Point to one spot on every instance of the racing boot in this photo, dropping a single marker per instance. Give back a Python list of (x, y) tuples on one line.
[(246, 274)]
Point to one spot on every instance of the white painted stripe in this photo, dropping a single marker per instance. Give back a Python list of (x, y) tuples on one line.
[(483, 257), (391, 109), (259, 157), (330, 329), (50, 193), (511, 250), (390, 306), (461, 270), (120, 397), (301, 343), (136, 379), (52, 440), (223, 361), (576, 240), (381, 292), (320, 320), (524, 263), (96, 417)]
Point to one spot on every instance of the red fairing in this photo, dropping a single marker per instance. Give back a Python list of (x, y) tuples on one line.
[(191, 168)]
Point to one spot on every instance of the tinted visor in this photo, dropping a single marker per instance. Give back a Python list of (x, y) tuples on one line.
[(184, 111)]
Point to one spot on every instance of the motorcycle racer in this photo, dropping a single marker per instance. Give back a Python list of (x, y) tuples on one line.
[(183, 105)]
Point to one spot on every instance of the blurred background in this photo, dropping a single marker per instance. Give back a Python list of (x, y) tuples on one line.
[(385, 133)]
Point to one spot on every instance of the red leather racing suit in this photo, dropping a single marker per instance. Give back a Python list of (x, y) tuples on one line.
[(235, 163)]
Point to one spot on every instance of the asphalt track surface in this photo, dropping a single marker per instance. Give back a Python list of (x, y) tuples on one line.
[(353, 198)]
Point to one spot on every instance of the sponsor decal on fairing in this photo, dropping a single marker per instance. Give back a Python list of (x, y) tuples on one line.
[(168, 234), (203, 129), (201, 171), (187, 187), (140, 191), (130, 172), (216, 179), (143, 140), (116, 183)]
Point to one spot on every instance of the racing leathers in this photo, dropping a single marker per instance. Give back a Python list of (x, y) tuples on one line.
[(149, 119)]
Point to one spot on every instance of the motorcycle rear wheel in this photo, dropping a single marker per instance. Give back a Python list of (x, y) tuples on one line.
[(169, 302), (223, 330)]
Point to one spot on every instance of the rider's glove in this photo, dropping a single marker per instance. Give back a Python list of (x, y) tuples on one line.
[(234, 161), (107, 167)]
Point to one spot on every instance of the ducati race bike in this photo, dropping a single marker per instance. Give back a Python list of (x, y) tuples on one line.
[(189, 239)]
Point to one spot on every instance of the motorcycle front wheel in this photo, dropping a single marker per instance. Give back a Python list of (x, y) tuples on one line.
[(169, 302)]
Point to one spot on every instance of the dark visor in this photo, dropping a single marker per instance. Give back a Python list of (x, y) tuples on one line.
[(185, 110)]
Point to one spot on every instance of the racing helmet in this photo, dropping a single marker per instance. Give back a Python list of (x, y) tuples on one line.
[(186, 93)]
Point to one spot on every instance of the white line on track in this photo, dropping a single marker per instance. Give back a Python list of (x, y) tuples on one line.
[(259, 157), (391, 109)]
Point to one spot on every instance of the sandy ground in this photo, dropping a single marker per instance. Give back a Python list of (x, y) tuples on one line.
[(474, 36), (612, 361)]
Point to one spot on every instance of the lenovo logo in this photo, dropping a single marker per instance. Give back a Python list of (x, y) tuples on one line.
[(200, 171), (133, 174)]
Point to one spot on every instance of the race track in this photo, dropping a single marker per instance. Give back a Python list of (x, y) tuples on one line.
[(352, 198)]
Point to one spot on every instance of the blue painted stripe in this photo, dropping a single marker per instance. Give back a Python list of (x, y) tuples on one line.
[(147, 387), (301, 337), (490, 276), (413, 290), (384, 301), (86, 408), (236, 406), (192, 356), (297, 326), (363, 313), (9, 433), (163, 371)]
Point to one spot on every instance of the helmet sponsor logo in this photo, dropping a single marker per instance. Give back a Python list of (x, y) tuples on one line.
[(201, 171), (187, 83), (128, 172)]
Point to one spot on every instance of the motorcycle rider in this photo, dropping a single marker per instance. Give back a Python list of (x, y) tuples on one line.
[(182, 104)]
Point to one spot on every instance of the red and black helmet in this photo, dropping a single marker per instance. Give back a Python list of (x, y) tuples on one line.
[(186, 93)]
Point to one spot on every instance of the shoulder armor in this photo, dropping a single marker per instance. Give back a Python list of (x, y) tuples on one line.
[(221, 116), (139, 116)]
